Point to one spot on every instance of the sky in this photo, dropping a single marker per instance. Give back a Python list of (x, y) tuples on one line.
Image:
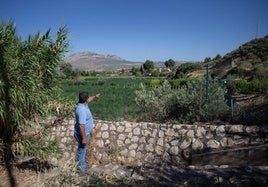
[(140, 30)]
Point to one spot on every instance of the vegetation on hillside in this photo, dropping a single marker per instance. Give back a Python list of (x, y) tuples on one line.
[(249, 61), (255, 51)]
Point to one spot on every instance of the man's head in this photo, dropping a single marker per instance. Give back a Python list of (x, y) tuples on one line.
[(83, 96)]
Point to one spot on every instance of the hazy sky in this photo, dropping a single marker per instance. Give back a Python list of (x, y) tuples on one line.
[(137, 30)]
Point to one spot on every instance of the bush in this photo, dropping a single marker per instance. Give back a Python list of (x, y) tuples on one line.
[(243, 87), (156, 73), (154, 104), (191, 104), (254, 86), (185, 68), (100, 83), (90, 78), (154, 82), (71, 82), (177, 83), (186, 104)]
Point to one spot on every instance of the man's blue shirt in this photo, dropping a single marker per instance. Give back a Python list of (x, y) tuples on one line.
[(83, 116)]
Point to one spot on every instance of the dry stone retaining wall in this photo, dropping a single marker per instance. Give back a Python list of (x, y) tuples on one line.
[(144, 142)]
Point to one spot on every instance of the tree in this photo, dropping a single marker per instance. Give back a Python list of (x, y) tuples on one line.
[(134, 71), (169, 63), (217, 57), (156, 73), (185, 68), (148, 66), (207, 59), (66, 69), (28, 73)]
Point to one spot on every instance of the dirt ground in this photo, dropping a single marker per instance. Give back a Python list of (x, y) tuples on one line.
[(22, 177), (254, 109), (166, 175)]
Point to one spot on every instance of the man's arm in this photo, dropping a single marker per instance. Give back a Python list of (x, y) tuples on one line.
[(91, 98), (83, 134)]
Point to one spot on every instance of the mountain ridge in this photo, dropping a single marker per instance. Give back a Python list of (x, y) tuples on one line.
[(91, 61)]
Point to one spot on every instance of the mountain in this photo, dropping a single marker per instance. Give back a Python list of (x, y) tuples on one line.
[(90, 61)]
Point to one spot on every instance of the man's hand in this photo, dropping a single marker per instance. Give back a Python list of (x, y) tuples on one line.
[(97, 96), (83, 134), (84, 141)]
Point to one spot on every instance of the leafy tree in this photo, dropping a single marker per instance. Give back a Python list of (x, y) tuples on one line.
[(66, 69), (169, 63), (28, 72), (217, 57), (185, 68), (156, 73), (148, 66), (207, 59), (134, 70)]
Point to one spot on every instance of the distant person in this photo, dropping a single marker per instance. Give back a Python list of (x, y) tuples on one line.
[(83, 126)]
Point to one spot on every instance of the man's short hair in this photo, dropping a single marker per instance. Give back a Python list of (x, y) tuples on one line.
[(83, 96)]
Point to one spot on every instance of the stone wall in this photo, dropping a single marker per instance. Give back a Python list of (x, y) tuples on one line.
[(144, 142)]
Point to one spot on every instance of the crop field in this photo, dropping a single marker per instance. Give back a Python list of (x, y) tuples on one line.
[(117, 96)]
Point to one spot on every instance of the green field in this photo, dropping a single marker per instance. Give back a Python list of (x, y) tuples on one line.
[(117, 100)]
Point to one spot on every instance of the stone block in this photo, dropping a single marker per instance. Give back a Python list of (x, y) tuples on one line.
[(105, 135), (220, 131), (135, 139), (213, 144), (185, 144), (136, 131), (197, 145), (174, 150), (236, 129)]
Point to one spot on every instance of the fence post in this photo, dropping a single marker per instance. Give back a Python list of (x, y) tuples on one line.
[(206, 112)]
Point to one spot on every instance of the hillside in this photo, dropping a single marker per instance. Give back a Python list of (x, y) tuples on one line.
[(98, 62), (248, 61)]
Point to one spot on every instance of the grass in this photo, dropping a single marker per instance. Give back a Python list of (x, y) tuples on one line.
[(117, 100)]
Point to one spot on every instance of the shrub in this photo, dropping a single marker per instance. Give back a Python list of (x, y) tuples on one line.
[(156, 73), (71, 82), (254, 86), (257, 85), (191, 104), (154, 82), (177, 83), (185, 68), (186, 104), (100, 83), (154, 104), (90, 78)]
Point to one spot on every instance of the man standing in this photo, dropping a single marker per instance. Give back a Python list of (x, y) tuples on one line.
[(83, 126)]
